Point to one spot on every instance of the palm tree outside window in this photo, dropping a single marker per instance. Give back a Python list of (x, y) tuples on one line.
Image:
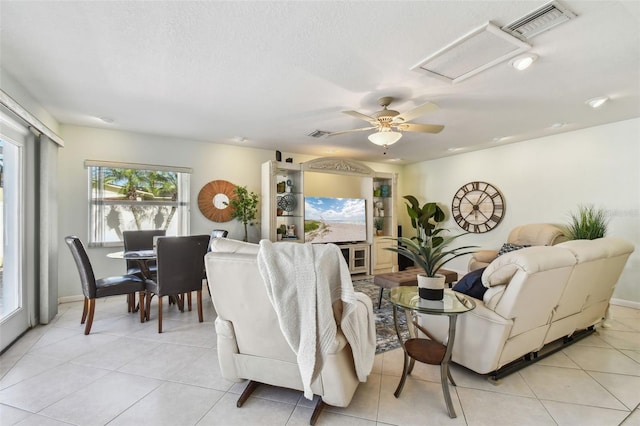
[(136, 197)]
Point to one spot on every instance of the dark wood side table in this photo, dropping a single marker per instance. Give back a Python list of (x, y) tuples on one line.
[(428, 350)]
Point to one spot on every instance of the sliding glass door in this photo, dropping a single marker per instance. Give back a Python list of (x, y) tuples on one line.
[(14, 313)]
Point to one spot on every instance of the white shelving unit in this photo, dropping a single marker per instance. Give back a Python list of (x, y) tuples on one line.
[(384, 200), (282, 201), (283, 205)]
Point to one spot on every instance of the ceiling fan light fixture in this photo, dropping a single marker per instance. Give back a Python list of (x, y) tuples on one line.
[(523, 62), (385, 138)]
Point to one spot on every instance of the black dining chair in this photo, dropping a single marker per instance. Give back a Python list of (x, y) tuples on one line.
[(141, 240), (144, 268), (217, 233), (180, 263), (93, 288)]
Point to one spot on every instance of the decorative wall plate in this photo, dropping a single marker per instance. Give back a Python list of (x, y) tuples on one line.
[(212, 198), (287, 202)]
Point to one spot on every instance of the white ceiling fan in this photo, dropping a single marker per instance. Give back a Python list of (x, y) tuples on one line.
[(389, 123)]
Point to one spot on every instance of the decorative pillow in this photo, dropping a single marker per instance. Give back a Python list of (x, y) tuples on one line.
[(508, 247), (471, 284)]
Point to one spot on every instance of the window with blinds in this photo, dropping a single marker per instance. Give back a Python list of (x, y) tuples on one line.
[(126, 196)]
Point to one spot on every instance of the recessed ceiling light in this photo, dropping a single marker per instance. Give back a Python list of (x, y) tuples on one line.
[(454, 149), (597, 102), (499, 139), (107, 120), (524, 61), (558, 125), (240, 139)]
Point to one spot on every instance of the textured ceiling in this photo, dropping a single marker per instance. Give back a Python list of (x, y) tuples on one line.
[(272, 72)]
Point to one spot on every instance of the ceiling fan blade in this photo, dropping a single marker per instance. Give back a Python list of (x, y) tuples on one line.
[(352, 131), (361, 116), (416, 112), (424, 128)]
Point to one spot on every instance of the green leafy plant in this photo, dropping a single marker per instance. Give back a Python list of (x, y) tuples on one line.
[(588, 223), (429, 248), (244, 207), (378, 223)]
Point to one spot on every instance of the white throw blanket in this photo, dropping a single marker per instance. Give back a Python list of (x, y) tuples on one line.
[(303, 282)]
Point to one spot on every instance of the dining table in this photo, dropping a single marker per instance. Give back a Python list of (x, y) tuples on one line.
[(142, 257)]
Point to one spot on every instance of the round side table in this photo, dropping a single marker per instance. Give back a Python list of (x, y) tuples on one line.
[(428, 351)]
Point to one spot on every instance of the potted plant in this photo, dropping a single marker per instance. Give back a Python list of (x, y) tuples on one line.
[(429, 249), (244, 207), (280, 233), (378, 224), (588, 223)]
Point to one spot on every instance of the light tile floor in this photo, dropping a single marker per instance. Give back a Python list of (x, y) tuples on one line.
[(125, 373)]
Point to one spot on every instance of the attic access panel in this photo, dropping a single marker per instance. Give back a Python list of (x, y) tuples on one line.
[(471, 54)]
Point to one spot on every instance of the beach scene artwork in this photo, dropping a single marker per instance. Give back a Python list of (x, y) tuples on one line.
[(334, 220)]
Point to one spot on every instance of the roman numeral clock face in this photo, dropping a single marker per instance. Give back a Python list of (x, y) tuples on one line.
[(477, 207)]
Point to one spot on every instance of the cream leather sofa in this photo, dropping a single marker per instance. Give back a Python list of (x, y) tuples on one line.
[(533, 234), (536, 296), (251, 345)]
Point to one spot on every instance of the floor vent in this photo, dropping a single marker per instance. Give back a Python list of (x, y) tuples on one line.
[(318, 134), (546, 17)]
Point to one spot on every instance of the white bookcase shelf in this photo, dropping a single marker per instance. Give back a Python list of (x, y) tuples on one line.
[(282, 205)]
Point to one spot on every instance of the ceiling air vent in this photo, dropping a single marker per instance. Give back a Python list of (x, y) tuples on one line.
[(540, 20), (472, 53), (318, 134)]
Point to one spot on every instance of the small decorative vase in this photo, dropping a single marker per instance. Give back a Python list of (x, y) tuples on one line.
[(431, 288)]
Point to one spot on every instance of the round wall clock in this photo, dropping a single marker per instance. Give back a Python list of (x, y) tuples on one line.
[(477, 207), (212, 200)]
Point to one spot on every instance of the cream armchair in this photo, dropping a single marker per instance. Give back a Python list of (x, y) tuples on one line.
[(535, 234), (250, 341)]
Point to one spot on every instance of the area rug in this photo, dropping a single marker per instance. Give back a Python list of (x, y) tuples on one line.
[(386, 338)]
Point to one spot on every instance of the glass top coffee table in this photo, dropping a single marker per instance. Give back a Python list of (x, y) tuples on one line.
[(428, 350)]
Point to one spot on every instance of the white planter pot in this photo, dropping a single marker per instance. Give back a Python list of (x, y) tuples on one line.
[(431, 288)]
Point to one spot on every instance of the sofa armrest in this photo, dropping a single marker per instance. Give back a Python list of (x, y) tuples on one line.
[(482, 258)]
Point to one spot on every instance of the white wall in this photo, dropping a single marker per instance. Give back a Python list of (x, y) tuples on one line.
[(543, 180), (26, 100), (209, 161)]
